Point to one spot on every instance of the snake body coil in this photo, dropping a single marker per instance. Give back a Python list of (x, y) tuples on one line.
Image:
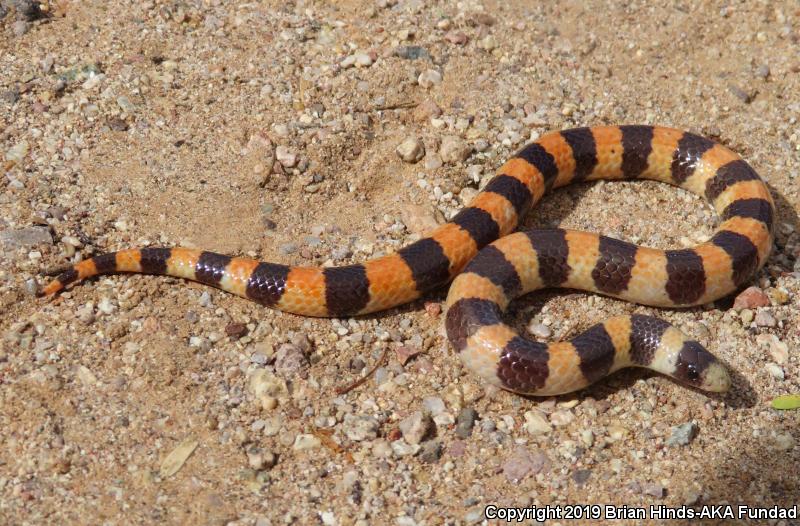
[(512, 265)]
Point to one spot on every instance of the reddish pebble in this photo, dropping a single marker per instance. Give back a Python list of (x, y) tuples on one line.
[(395, 434), (457, 448), (236, 330), (456, 37), (750, 298), (422, 365), (433, 308), (405, 353)]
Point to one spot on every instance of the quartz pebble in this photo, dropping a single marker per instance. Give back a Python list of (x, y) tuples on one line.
[(765, 319), (285, 156), (539, 330), (775, 370), (429, 78), (416, 427), (411, 150), (360, 427), (454, 149), (536, 423), (306, 442)]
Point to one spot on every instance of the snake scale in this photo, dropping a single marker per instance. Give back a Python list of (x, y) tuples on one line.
[(490, 265)]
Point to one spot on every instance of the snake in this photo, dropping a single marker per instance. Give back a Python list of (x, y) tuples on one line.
[(490, 263)]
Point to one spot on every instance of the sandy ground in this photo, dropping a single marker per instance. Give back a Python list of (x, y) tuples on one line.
[(269, 129)]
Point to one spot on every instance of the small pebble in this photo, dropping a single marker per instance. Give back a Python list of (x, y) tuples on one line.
[(412, 52), (363, 60), (19, 28), (750, 298), (762, 71), (765, 319), (416, 427), (740, 94), (784, 441), (290, 361), (429, 78), (580, 476), (305, 442), (433, 405), (360, 427), (411, 150), (655, 490), (454, 149), (405, 353), (236, 330), (381, 449), (433, 161), (285, 156), (456, 37), (562, 418), (27, 237), (682, 434), (539, 330), (587, 437), (431, 451), (775, 370), (433, 309), (465, 422), (522, 463), (536, 423)]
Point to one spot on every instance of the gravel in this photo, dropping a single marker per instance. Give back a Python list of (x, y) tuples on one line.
[(274, 133)]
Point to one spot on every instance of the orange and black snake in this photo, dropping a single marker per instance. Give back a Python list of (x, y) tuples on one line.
[(491, 265)]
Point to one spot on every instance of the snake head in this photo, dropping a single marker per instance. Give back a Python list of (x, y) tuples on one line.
[(698, 367)]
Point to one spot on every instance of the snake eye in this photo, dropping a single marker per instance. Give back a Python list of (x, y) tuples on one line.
[(691, 372)]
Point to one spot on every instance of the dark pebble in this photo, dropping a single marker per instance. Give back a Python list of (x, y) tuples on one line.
[(26, 9), (236, 330), (431, 451), (465, 422), (412, 52), (356, 365), (10, 96), (740, 94), (117, 124), (581, 476)]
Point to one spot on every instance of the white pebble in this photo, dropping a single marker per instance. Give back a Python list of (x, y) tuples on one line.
[(429, 78), (775, 370), (539, 330), (285, 156)]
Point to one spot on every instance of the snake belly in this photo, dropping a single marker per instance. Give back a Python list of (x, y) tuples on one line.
[(512, 265)]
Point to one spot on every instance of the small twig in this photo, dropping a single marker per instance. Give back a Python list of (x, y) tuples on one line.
[(397, 106), (360, 381)]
